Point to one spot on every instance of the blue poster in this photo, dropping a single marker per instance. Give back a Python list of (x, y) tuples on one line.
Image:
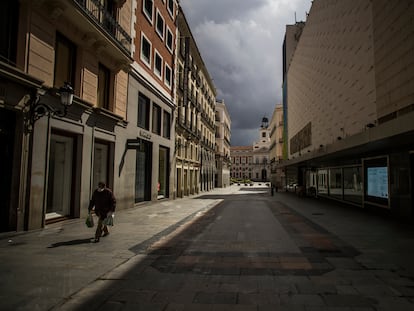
[(378, 182)]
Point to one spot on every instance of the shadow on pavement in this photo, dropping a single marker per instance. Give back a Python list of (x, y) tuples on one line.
[(71, 242), (167, 273)]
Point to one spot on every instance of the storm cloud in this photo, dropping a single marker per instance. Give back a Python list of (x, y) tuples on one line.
[(241, 44)]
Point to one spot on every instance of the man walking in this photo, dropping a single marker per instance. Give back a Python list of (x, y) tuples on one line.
[(103, 203)]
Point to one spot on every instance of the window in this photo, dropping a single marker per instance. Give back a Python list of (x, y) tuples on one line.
[(263, 134), (158, 65), (143, 111), (181, 77), (156, 119), (9, 20), (166, 124), (169, 40), (103, 87), (171, 7), (168, 77), (65, 52), (160, 25), (148, 8), (145, 50)]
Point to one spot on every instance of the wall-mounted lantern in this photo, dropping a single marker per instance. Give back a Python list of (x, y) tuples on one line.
[(36, 110)]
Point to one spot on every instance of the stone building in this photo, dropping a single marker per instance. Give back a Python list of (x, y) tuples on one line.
[(51, 160), (261, 158), (349, 101), (194, 117), (223, 135), (253, 162), (241, 162), (277, 176), (148, 154)]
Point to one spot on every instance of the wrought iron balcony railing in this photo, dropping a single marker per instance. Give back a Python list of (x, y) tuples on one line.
[(95, 10)]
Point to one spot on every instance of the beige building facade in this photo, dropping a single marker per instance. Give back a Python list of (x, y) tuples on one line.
[(276, 147), (194, 117), (52, 161), (261, 153), (241, 162), (223, 136), (253, 162), (124, 61), (349, 97)]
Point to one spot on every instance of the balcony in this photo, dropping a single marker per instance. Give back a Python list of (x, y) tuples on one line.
[(101, 31)]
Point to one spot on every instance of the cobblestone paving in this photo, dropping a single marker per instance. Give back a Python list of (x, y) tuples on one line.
[(249, 253), (232, 249)]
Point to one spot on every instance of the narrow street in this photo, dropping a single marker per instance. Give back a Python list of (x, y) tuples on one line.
[(239, 249)]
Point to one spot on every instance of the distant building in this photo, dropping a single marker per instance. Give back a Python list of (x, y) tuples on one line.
[(252, 162), (261, 162), (277, 176), (241, 162), (194, 117), (223, 135), (350, 103)]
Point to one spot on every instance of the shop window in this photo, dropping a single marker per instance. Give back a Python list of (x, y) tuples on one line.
[(353, 190), (143, 111), (166, 125), (322, 182), (335, 183), (156, 119), (100, 163)]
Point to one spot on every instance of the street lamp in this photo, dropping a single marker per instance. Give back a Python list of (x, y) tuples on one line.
[(36, 110)]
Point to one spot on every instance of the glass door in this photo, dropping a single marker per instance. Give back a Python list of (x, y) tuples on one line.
[(60, 176), (143, 172), (100, 164)]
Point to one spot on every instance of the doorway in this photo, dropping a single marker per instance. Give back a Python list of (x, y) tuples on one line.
[(7, 130), (143, 172), (163, 176), (412, 182), (60, 177)]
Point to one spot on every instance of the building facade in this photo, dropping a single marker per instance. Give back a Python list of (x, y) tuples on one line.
[(261, 158), (52, 161), (242, 160), (149, 139), (194, 117), (276, 147), (223, 136), (253, 162), (350, 104)]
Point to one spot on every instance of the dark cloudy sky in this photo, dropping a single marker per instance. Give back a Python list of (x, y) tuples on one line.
[(241, 44)]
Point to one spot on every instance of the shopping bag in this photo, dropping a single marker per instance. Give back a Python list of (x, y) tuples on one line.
[(109, 220), (89, 221)]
